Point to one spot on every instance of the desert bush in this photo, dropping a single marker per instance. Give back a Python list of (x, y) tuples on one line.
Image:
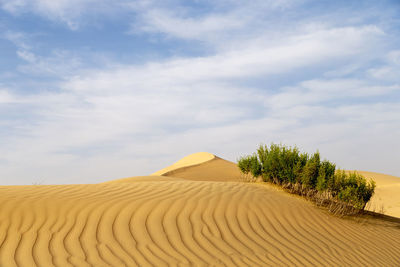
[(299, 167), (336, 184), (306, 175), (278, 163), (250, 164), (272, 164), (288, 159), (310, 171), (255, 166), (244, 164), (356, 191), (326, 175)]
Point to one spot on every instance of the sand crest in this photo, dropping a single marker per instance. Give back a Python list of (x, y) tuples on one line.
[(191, 160), (216, 169)]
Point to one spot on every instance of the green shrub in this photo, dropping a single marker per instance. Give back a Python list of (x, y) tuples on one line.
[(299, 167), (244, 164), (307, 175), (337, 183), (255, 166), (262, 153), (310, 171), (250, 164), (356, 191), (288, 160), (272, 168), (278, 163), (326, 174)]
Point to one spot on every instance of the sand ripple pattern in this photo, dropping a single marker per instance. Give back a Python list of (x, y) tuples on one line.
[(181, 223)]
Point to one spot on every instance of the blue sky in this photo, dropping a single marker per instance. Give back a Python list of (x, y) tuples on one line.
[(92, 90)]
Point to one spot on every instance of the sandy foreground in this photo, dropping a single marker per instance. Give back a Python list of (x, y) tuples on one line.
[(193, 213)]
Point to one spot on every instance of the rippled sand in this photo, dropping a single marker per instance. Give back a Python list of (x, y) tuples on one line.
[(201, 218)]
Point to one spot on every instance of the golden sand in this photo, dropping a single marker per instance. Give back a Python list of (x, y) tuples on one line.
[(387, 194), (167, 221), (191, 160)]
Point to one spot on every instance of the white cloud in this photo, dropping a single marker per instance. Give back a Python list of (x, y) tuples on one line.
[(394, 57), (319, 91), (226, 18), (6, 97), (258, 59), (18, 38), (203, 28), (69, 12), (117, 120), (57, 63), (343, 70), (390, 71), (60, 63), (385, 73), (27, 56)]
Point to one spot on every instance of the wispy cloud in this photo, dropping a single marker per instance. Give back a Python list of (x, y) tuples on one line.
[(6, 97), (204, 28), (68, 12), (330, 92), (18, 38), (59, 63), (390, 71)]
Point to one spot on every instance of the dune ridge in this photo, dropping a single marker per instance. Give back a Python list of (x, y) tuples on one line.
[(215, 169), (190, 160)]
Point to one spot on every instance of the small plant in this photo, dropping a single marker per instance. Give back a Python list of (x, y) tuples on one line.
[(250, 164), (310, 171), (244, 164), (308, 176)]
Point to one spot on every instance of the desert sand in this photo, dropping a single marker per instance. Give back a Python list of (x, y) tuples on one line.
[(193, 213), (188, 161), (387, 193)]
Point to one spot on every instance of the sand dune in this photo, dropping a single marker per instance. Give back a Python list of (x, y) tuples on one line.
[(167, 221), (387, 193), (191, 160), (215, 169)]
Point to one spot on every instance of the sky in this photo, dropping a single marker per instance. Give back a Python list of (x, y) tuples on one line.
[(95, 90)]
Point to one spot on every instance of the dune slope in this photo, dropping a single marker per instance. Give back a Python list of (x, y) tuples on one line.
[(216, 169), (191, 160), (185, 223), (143, 179), (387, 194)]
